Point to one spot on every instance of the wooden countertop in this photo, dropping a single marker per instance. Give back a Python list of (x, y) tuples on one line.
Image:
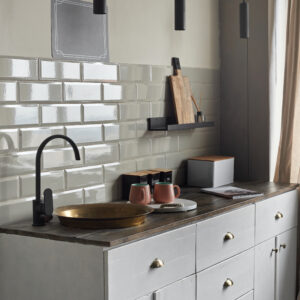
[(208, 206)]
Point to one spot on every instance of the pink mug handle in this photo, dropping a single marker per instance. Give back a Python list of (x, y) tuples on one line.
[(176, 187)]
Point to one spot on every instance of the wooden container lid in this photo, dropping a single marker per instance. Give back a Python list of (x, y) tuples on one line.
[(211, 158)]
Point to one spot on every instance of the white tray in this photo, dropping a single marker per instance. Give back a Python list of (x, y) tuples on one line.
[(186, 206)]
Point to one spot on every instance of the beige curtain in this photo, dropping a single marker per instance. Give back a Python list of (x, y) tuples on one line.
[(288, 160)]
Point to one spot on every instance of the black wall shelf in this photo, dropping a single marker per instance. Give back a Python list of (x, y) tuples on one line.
[(168, 124)]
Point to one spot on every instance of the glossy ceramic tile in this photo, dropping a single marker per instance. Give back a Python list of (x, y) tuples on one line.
[(126, 130), (61, 158), (53, 180), (9, 140), (8, 91), (101, 154), (33, 137), (135, 72), (132, 149), (56, 70), (143, 110), (202, 75), (18, 68), (95, 194), (41, 91), (76, 91), (99, 71), (100, 112), (165, 144), (85, 133), (80, 177), (160, 73), (121, 92), (205, 91), (13, 164), (151, 162), (151, 92), (113, 191), (113, 171), (128, 111), (142, 130), (158, 109), (9, 188), (12, 115), (61, 113), (111, 132), (68, 198)]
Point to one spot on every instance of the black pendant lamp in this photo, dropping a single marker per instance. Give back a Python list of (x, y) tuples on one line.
[(244, 20), (99, 7), (179, 14)]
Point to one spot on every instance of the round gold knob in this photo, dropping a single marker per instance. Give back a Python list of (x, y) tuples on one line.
[(278, 216), (228, 282), (157, 263), (229, 236), (282, 246)]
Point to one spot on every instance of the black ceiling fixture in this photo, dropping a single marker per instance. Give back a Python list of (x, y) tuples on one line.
[(244, 20), (99, 7), (179, 14)]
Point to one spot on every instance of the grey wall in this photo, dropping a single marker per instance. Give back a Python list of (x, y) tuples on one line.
[(244, 90)]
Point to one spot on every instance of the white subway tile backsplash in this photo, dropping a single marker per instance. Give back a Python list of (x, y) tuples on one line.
[(135, 72), (14, 115), (102, 102), (18, 68), (80, 177), (100, 112), (132, 149), (95, 194), (76, 91), (40, 91), (19, 163), (53, 180), (33, 137), (85, 133), (9, 140), (56, 70), (61, 158), (101, 154), (165, 144), (61, 113), (68, 198), (9, 188), (8, 91), (113, 171), (114, 92), (151, 162), (100, 71)]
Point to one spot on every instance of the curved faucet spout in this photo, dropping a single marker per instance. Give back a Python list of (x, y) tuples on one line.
[(39, 209)]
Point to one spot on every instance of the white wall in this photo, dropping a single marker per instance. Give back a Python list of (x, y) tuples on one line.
[(140, 31)]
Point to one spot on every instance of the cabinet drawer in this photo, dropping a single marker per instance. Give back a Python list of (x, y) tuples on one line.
[(248, 296), (129, 271), (238, 271), (224, 236), (183, 289), (276, 215)]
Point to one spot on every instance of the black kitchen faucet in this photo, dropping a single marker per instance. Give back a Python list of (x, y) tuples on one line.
[(42, 210)]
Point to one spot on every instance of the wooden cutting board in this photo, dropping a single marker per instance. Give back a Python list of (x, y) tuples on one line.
[(181, 95)]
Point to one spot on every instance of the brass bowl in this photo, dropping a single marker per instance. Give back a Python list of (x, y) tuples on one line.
[(103, 215)]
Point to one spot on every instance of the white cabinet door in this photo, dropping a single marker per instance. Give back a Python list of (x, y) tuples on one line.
[(286, 265), (248, 296), (264, 278), (181, 290)]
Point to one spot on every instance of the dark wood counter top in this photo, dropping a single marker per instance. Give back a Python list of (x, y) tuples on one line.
[(208, 206)]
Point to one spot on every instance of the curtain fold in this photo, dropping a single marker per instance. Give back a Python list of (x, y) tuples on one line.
[(288, 159)]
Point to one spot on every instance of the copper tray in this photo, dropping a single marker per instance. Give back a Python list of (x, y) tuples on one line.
[(102, 215)]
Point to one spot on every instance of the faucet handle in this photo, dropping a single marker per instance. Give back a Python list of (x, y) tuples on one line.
[(48, 203)]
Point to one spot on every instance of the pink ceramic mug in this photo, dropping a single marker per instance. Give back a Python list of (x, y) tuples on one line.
[(164, 192), (140, 193)]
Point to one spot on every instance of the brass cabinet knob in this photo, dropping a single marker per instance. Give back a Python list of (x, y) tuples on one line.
[(228, 282), (228, 236), (157, 263), (275, 250), (278, 216), (282, 246)]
